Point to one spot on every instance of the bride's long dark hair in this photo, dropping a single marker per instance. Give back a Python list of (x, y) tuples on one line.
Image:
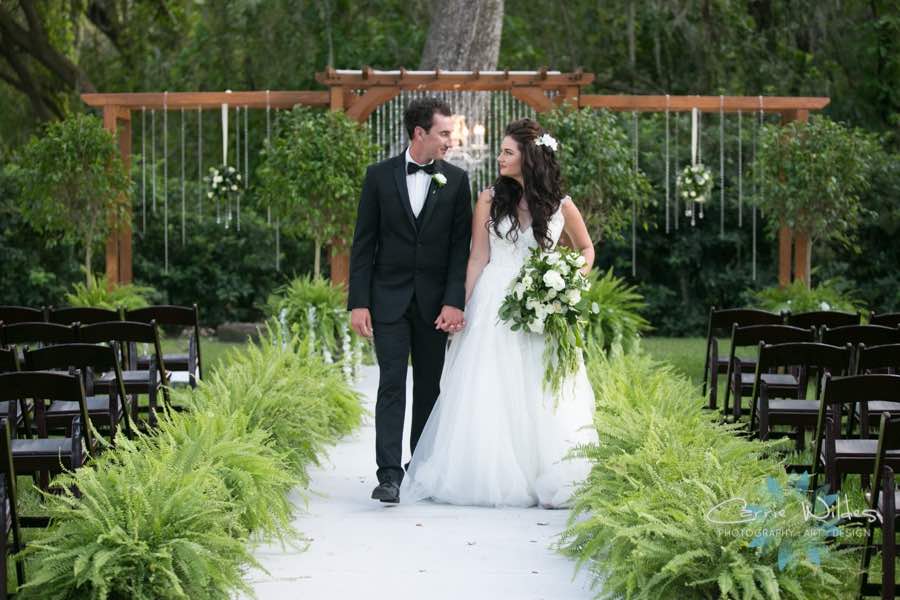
[(543, 185)]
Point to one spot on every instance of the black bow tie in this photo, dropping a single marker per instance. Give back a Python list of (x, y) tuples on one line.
[(412, 167)]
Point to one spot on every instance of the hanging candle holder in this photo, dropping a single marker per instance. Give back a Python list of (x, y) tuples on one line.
[(694, 183)]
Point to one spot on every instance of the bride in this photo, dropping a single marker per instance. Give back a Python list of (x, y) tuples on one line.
[(496, 437)]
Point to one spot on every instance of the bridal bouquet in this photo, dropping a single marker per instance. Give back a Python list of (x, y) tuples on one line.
[(545, 299)]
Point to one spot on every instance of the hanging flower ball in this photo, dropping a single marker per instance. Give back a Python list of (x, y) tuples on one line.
[(694, 183), (223, 182)]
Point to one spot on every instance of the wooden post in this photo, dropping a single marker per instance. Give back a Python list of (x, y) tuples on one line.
[(117, 120), (339, 256), (802, 256), (801, 239), (785, 239)]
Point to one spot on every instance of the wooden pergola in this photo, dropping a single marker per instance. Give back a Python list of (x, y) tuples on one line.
[(360, 92)]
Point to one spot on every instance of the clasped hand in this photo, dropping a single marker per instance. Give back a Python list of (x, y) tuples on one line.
[(451, 320)]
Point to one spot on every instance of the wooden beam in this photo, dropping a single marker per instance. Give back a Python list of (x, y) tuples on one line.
[(207, 100), (534, 98), (366, 104), (729, 104), (449, 80)]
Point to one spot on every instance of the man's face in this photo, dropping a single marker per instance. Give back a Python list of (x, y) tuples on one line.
[(435, 142)]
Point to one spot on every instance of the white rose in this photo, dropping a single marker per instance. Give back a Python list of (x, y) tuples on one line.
[(824, 306), (554, 280), (209, 194), (552, 259), (238, 176), (519, 291), (532, 304), (527, 281), (234, 188), (551, 294), (693, 194), (564, 268), (580, 261), (595, 308), (556, 307), (573, 296), (217, 179), (231, 169), (440, 178), (536, 326)]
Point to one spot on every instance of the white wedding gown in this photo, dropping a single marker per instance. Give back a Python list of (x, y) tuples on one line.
[(495, 436)]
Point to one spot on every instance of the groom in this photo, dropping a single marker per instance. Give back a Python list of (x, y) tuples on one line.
[(407, 276)]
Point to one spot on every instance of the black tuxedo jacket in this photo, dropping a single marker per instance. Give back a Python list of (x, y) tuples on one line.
[(394, 255)]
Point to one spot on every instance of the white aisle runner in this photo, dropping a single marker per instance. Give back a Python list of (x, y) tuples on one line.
[(361, 548)]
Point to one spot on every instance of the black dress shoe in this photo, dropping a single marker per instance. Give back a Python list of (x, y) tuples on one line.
[(387, 491)]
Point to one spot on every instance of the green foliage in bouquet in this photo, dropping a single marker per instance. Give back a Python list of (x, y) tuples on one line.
[(652, 520), (546, 299), (833, 294), (96, 293), (612, 311)]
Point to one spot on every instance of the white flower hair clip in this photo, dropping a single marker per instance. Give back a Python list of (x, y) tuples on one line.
[(547, 140)]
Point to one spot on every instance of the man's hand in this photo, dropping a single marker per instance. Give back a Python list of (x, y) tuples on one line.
[(361, 321), (450, 320)]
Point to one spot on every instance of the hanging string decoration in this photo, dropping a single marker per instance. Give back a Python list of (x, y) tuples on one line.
[(636, 160), (143, 169), (667, 165), (722, 167), (166, 181), (740, 169), (183, 210), (224, 183), (694, 183)]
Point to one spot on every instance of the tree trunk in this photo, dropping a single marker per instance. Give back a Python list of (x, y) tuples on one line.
[(464, 35), (317, 260), (88, 256)]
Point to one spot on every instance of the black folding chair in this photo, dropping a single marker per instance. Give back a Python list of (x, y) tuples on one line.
[(82, 314), (37, 333), (838, 456), (9, 363), (872, 360), (44, 455), (806, 359), (891, 319), (105, 411), (183, 369), (882, 503), (823, 318), (21, 314), (719, 325), (740, 379), (136, 381), (9, 512)]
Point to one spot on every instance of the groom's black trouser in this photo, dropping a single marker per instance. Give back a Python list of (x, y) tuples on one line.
[(394, 342)]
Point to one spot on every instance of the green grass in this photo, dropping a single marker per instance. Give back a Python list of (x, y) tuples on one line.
[(213, 351)]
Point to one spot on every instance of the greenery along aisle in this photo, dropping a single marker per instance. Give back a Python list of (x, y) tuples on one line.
[(171, 515), (646, 520)]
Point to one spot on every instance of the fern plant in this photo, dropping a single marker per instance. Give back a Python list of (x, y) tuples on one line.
[(280, 387), (613, 314), (144, 526), (96, 293), (831, 294), (314, 309), (656, 518)]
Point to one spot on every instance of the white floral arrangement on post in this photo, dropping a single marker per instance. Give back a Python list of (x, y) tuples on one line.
[(546, 299), (694, 184), (224, 183)]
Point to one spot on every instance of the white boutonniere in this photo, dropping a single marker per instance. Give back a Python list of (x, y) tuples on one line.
[(439, 179)]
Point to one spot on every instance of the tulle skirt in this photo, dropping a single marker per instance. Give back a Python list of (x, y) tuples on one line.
[(495, 436)]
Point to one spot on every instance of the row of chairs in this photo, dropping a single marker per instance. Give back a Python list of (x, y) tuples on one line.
[(185, 367), (722, 323)]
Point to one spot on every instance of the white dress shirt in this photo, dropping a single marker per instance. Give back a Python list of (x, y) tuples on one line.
[(417, 186)]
